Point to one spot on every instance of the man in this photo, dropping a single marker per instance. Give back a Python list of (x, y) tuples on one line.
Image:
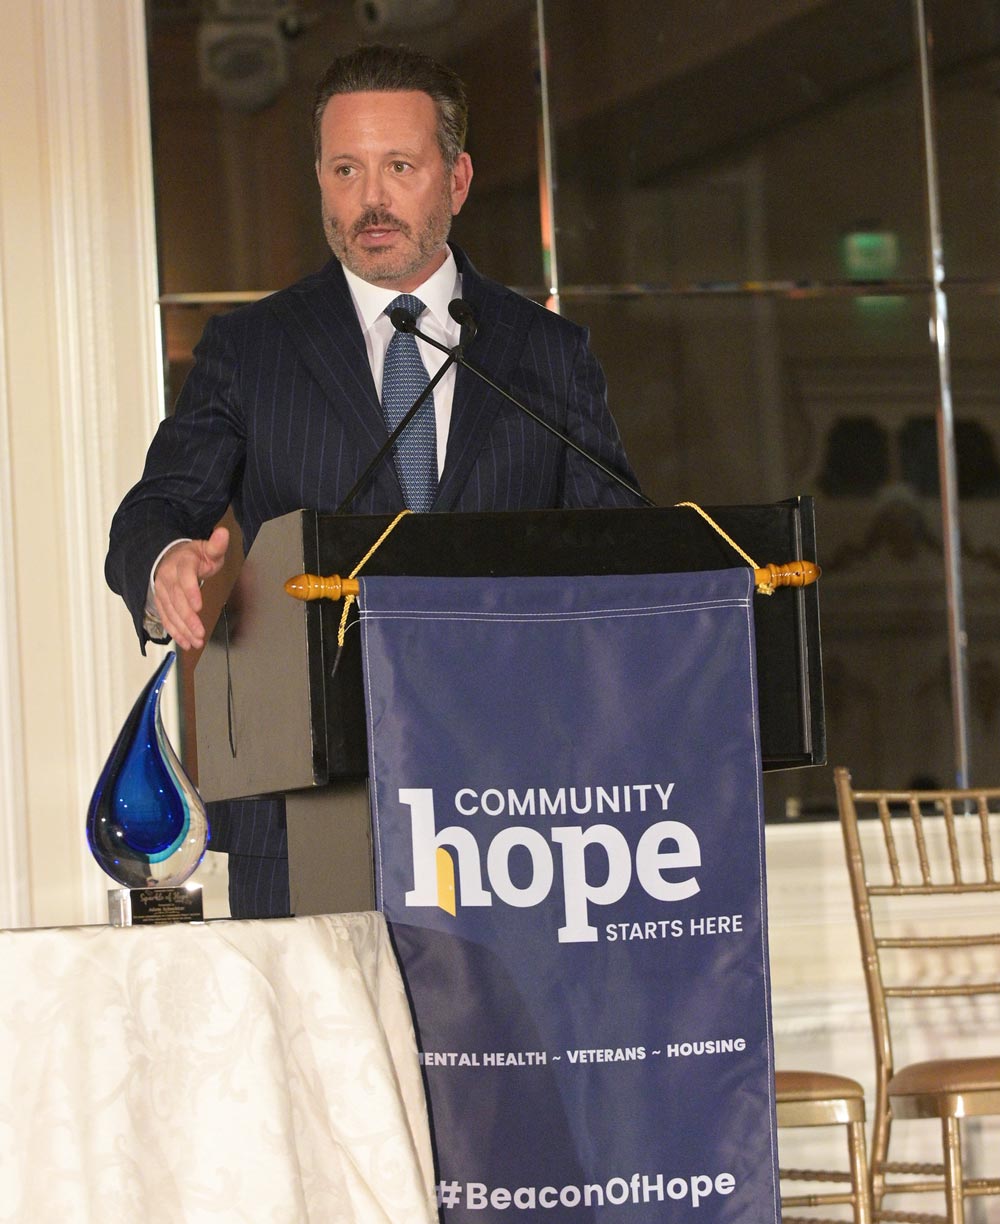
[(282, 410)]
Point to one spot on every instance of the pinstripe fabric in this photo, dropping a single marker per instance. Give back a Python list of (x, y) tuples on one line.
[(258, 886), (281, 412)]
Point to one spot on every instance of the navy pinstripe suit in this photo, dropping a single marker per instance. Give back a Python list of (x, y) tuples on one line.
[(280, 412)]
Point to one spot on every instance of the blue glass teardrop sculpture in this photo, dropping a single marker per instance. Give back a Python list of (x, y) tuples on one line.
[(146, 823)]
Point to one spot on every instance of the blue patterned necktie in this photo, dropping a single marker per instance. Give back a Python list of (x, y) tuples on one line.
[(403, 378)]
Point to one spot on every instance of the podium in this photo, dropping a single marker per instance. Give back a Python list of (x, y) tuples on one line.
[(280, 710)]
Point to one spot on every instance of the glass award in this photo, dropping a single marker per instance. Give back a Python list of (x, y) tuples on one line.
[(146, 824)]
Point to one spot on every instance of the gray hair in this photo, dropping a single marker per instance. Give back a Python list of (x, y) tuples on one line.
[(376, 68)]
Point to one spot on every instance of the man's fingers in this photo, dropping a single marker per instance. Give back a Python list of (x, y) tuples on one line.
[(177, 590), (178, 617), (177, 585), (214, 550)]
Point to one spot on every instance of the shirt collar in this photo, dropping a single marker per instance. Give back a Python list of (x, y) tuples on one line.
[(440, 288)]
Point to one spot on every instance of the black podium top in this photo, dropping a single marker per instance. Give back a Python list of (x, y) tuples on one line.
[(273, 715)]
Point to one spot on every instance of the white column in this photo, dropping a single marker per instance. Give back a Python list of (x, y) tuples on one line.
[(14, 901), (79, 398)]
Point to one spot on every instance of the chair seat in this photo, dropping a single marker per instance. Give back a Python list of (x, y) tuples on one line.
[(946, 1088), (817, 1098), (815, 1086), (947, 1075)]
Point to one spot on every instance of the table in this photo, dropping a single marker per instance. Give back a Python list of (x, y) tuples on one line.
[(226, 1072)]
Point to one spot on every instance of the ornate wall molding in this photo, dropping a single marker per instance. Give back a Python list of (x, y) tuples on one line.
[(81, 398), (88, 139), (106, 343)]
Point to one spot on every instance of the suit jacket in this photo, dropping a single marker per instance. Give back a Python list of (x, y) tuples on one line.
[(281, 412)]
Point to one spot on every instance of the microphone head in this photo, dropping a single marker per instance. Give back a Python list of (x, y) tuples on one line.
[(461, 312), (403, 320)]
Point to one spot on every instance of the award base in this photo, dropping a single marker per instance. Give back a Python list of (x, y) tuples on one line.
[(155, 906)]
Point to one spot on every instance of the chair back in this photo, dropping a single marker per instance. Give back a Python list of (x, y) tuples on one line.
[(916, 867)]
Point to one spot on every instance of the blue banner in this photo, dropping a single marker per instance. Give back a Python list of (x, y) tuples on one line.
[(566, 798)]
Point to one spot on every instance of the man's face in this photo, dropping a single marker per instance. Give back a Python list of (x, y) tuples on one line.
[(387, 198)]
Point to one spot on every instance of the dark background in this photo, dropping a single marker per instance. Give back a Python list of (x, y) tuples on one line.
[(734, 197)]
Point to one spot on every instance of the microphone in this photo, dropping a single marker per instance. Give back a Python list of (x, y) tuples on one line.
[(462, 313), (403, 320)]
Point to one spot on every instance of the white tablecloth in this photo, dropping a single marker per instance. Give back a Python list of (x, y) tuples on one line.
[(236, 1072)]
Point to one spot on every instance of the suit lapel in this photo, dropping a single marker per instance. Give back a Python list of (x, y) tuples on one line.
[(499, 340), (319, 316)]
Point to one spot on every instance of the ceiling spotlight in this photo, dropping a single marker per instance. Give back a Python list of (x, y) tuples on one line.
[(383, 16), (245, 63)]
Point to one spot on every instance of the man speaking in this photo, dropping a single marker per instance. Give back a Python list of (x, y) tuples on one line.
[(291, 397)]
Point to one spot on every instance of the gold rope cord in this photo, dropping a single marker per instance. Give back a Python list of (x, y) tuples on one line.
[(766, 578), (765, 588), (349, 599)]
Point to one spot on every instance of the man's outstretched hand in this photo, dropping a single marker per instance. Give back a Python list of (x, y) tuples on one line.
[(177, 585)]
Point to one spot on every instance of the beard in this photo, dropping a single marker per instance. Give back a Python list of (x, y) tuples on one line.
[(385, 266)]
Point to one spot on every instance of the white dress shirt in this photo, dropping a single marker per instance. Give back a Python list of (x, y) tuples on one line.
[(436, 292)]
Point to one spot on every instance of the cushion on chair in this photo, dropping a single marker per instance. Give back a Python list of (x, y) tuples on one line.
[(814, 1086), (947, 1075)]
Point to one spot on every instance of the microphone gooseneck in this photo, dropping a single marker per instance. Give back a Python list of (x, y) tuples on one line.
[(404, 320), (462, 313)]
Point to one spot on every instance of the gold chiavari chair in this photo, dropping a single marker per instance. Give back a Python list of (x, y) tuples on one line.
[(816, 1098), (916, 873)]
